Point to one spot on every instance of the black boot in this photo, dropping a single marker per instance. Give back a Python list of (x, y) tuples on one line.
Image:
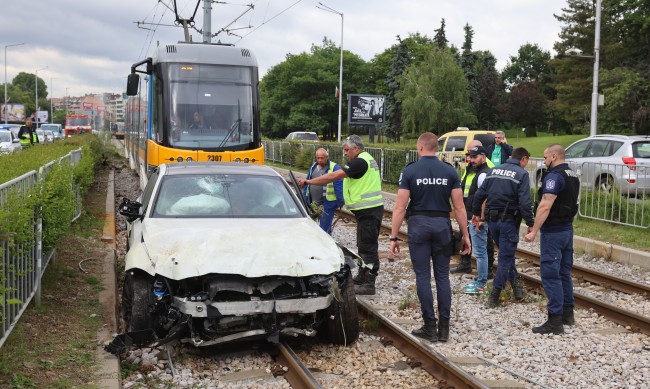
[(361, 276), (567, 315), (517, 289), (443, 330), (493, 299), (465, 265), (368, 285), (552, 326), (428, 331)]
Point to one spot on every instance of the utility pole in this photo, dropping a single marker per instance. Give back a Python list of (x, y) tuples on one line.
[(6, 114), (207, 21), (594, 93)]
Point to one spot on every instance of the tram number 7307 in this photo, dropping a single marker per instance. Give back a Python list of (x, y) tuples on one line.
[(214, 158)]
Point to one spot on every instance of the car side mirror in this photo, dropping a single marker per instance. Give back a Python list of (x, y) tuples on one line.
[(15, 140), (130, 209)]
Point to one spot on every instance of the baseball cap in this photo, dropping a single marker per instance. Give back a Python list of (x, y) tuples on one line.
[(478, 150)]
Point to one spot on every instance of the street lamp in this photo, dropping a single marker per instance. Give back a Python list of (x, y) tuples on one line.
[(36, 83), (51, 102), (594, 93), (328, 9), (5, 100)]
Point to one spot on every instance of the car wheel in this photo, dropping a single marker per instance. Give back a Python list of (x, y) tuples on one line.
[(605, 183), (342, 323), (137, 295)]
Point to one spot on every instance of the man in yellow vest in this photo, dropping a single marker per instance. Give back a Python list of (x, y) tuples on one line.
[(27, 135), (329, 196), (362, 193)]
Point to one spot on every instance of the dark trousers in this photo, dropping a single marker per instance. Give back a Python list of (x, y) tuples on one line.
[(556, 261), (506, 236), (368, 226), (430, 239)]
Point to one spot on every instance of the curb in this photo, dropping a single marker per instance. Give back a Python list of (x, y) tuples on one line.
[(108, 375)]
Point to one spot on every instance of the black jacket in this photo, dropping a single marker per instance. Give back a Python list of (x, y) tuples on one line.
[(507, 188), (506, 152)]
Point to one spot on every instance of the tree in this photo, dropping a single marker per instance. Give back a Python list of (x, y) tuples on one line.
[(440, 39), (298, 94), (530, 65), (489, 99), (434, 95), (401, 61), (626, 108), (526, 107)]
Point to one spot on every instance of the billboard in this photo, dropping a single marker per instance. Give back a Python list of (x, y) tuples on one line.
[(366, 109), (14, 112)]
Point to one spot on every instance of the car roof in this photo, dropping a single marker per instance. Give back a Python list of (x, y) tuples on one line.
[(218, 168), (303, 132)]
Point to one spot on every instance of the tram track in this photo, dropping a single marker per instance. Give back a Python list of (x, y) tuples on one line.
[(619, 315)]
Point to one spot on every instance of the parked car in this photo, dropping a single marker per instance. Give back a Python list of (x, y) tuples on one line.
[(43, 136), (303, 136), (222, 252), (56, 129), (9, 142), (454, 144), (610, 161)]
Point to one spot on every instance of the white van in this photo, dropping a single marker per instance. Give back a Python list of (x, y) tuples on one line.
[(56, 129)]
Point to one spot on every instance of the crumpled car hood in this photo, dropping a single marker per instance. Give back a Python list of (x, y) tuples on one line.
[(182, 248)]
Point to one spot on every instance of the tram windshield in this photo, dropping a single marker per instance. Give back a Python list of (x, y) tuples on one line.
[(210, 106)]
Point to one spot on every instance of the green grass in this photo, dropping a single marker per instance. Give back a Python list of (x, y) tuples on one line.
[(537, 145)]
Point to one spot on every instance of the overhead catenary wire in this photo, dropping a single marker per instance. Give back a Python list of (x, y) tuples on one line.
[(265, 22)]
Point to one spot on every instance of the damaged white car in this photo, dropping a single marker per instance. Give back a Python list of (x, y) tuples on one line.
[(221, 252)]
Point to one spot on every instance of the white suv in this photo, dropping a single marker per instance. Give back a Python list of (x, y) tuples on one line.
[(611, 161)]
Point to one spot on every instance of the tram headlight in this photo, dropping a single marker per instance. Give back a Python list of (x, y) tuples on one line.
[(238, 160), (246, 160)]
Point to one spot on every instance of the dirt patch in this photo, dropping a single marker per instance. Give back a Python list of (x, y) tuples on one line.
[(53, 344)]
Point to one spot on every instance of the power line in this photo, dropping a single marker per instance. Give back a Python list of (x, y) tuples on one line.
[(274, 16)]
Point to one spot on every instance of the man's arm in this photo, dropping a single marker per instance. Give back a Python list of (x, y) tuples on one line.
[(542, 214), (324, 179), (525, 205), (461, 217), (399, 210), (338, 188)]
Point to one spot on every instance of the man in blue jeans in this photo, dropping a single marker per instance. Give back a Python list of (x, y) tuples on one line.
[(330, 195), (478, 233), (554, 218)]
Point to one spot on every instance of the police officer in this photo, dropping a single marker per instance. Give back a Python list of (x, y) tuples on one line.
[(554, 216), (429, 183), (507, 188), (362, 195), (329, 196)]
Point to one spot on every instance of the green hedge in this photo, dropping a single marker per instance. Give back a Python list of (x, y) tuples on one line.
[(54, 196)]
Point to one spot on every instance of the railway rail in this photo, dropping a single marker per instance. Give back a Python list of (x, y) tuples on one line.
[(616, 314)]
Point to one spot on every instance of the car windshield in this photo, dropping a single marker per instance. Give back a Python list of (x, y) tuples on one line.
[(224, 196), (306, 136), (5, 137)]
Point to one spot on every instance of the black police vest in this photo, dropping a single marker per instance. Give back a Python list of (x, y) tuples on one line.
[(565, 205)]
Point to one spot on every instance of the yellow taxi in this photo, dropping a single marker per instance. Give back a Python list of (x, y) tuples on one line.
[(453, 145)]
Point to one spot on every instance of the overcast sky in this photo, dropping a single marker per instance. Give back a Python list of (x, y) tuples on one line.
[(89, 46)]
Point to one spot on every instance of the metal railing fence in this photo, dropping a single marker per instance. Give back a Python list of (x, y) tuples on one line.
[(615, 193), (22, 265)]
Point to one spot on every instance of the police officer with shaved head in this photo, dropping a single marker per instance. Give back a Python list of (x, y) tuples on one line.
[(426, 186), (507, 189), (554, 218)]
